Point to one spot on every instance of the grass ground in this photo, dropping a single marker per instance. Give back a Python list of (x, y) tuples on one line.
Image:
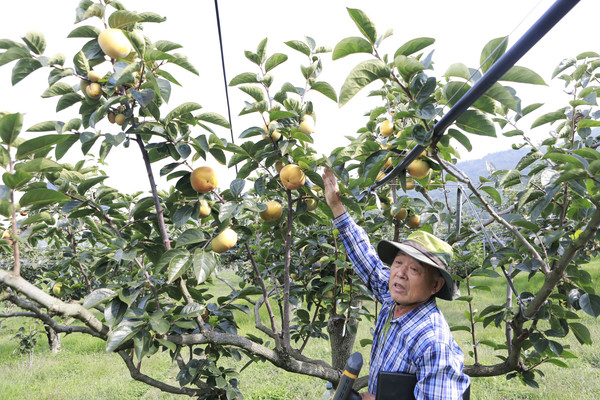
[(83, 370)]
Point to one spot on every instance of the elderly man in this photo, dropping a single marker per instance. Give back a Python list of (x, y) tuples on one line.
[(411, 334)]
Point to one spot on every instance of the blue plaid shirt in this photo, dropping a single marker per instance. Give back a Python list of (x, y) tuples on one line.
[(419, 342)]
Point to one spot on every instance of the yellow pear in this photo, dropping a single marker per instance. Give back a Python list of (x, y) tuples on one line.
[(311, 204), (224, 241), (400, 215), (278, 166), (307, 124), (120, 119), (292, 176), (387, 128), (114, 43), (413, 221), (273, 211), (94, 90), (204, 209), (203, 179), (271, 131), (93, 76), (418, 169)]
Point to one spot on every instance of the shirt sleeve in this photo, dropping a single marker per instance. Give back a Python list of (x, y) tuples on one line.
[(440, 375), (363, 256)]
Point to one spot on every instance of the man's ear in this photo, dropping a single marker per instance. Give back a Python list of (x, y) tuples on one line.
[(438, 284)]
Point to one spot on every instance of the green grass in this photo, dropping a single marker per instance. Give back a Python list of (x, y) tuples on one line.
[(83, 370)]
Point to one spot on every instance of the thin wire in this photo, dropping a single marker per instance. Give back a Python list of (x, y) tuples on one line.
[(437, 114), (489, 56), (224, 74), (493, 248)]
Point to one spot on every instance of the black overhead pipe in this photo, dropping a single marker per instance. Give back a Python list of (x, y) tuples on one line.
[(542, 26)]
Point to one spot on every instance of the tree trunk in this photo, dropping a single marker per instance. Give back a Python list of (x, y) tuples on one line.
[(341, 338), (53, 339)]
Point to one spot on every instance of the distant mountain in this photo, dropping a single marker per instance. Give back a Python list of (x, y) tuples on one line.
[(507, 159)]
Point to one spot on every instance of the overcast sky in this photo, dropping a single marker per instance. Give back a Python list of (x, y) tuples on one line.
[(461, 29)]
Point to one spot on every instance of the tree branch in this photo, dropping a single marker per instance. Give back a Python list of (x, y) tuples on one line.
[(138, 376), (280, 359), (553, 278), (462, 178), (53, 304)]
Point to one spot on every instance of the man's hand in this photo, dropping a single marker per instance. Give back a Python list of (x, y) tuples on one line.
[(367, 396), (332, 193)]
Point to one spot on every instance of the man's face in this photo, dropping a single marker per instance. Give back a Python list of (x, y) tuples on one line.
[(412, 283)]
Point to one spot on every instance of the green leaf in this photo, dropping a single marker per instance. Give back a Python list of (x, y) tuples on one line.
[(23, 68), (492, 51), (46, 126), (590, 303), (185, 108), (255, 92), (6, 208), (68, 100), (458, 70), (10, 127), (204, 264), (191, 236), (408, 66), (114, 312), (557, 362), (214, 118), (324, 88), (511, 175), (364, 24), (177, 266), (351, 45), (588, 123), (581, 332), (165, 45), (364, 73), (527, 225), (461, 138), (160, 325), (414, 45), (40, 165), (244, 77), (502, 95), (299, 46), (12, 54), (39, 143), (571, 175), (121, 18), (522, 75), (98, 297), (182, 215), (16, 179), (58, 89), (493, 194), (41, 196), (88, 183), (192, 310), (85, 31), (119, 336), (561, 158), (476, 122), (82, 65), (143, 97), (168, 255), (35, 41), (151, 17), (549, 118), (182, 61), (275, 60)]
